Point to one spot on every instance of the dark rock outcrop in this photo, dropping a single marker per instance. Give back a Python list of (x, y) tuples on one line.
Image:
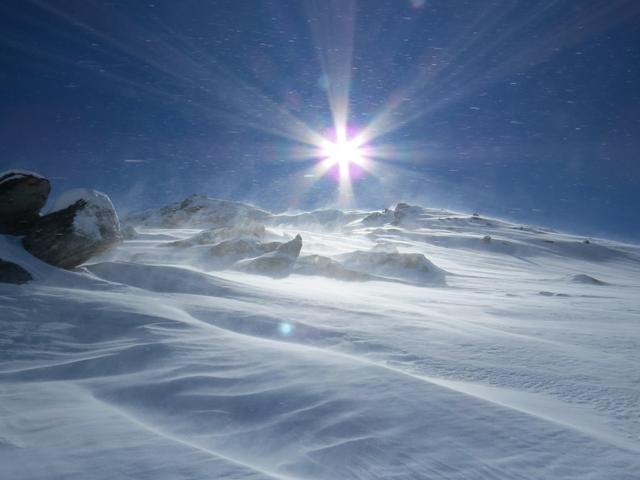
[(70, 236), (22, 196), (13, 273)]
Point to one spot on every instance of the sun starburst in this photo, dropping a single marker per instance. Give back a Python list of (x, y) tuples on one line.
[(342, 153)]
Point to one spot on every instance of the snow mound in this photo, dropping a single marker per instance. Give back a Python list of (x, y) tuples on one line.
[(594, 252), (414, 267), (586, 279), (159, 278)]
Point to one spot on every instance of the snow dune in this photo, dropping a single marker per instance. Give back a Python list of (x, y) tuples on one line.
[(435, 356)]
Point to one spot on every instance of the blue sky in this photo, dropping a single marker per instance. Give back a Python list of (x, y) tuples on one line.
[(525, 110)]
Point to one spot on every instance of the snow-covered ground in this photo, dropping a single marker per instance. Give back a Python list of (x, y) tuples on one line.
[(506, 352)]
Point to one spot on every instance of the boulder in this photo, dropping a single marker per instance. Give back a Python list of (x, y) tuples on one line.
[(22, 196), (13, 273), (82, 224)]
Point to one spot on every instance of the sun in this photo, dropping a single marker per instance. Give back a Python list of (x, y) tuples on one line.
[(342, 153)]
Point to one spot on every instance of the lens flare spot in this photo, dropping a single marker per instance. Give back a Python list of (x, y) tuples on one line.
[(285, 329)]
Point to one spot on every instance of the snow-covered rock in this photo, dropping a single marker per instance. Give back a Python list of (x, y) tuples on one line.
[(402, 213), (98, 214), (243, 247), (414, 267), (377, 219), (228, 252), (22, 196), (276, 264), (290, 249), (326, 267), (220, 234), (199, 211), (17, 174), (81, 224)]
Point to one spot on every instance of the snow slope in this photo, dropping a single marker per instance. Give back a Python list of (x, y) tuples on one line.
[(455, 347)]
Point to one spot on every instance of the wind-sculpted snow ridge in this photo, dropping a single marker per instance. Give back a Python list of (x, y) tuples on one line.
[(423, 345)]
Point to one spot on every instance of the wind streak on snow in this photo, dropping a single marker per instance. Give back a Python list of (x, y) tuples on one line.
[(173, 438), (175, 367)]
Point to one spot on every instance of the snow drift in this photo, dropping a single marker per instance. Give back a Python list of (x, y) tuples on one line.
[(402, 348)]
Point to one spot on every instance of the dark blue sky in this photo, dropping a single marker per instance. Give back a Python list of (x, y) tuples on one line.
[(526, 110)]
